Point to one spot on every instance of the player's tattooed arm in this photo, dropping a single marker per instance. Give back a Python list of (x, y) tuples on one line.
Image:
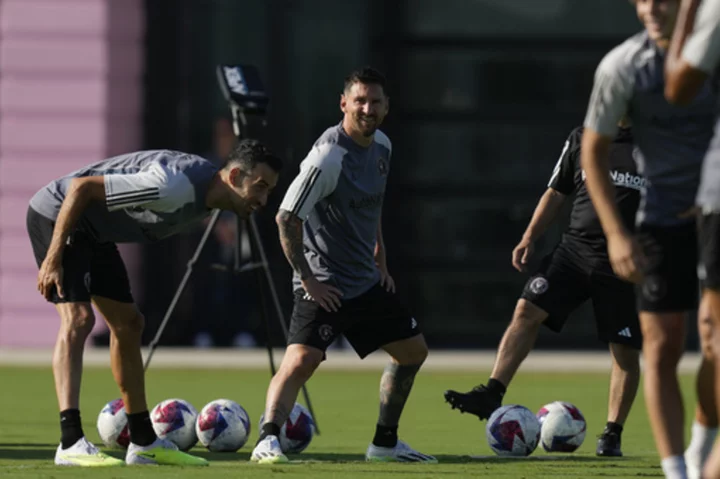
[(291, 239)]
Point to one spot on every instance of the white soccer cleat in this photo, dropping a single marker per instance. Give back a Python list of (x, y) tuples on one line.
[(268, 451), (400, 453), (161, 452), (84, 454)]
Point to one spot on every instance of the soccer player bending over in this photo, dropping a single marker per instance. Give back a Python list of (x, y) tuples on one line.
[(576, 271), (330, 230), (662, 258), (74, 224)]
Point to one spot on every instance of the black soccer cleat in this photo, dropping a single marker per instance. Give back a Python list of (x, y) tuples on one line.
[(608, 445), (480, 401)]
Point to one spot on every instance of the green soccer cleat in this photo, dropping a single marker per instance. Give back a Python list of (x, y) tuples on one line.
[(84, 454), (162, 452)]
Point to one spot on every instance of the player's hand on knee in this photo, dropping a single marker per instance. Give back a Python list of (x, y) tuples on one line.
[(51, 273), (626, 257), (327, 296), (521, 254)]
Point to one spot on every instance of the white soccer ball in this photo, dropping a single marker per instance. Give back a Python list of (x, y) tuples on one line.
[(174, 419), (112, 425), (297, 432), (513, 430), (223, 426), (562, 427)]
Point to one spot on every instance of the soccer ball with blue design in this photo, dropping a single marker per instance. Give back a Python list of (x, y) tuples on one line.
[(562, 427), (513, 431), (112, 425), (174, 420), (223, 426), (297, 432)]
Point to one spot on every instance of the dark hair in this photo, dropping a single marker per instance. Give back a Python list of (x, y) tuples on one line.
[(366, 76), (248, 153)]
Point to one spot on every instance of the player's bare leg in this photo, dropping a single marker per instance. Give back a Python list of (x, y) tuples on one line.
[(705, 425), (76, 323), (517, 342), (298, 365), (663, 345), (712, 298), (407, 356), (624, 381), (126, 325)]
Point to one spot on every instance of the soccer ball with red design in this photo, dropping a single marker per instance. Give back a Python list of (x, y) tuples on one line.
[(174, 419), (112, 425), (513, 430), (297, 432), (562, 427), (223, 426)]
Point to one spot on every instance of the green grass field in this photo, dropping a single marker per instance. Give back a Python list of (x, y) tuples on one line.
[(346, 408)]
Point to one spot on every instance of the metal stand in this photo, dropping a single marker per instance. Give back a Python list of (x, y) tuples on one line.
[(259, 262)]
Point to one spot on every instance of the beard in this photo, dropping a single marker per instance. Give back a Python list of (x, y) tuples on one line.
[(367, 125)]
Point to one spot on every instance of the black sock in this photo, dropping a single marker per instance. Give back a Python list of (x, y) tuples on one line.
[(70, 427), (269, 429), (385, 436), (613, 427), (141, 429), (496, 387)]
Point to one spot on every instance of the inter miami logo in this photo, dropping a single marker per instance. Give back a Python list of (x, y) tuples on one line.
[(383, 166), (539, 285), (326, 333)]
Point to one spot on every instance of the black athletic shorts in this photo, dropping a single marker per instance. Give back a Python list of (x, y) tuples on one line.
[(671, 281), (709, 239), (368, 321), (576, 272), (89, 268)]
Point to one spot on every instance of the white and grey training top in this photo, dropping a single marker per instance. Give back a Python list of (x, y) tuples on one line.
[(702, 51), (339, 195), (671, 140), (150, 195)]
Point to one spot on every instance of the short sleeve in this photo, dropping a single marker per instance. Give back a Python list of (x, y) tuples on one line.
[(563, 175), (611, 93), (157, 187), (318, 177)]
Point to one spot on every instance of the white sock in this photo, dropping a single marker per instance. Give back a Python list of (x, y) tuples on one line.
[(702, 440), (674, 467)]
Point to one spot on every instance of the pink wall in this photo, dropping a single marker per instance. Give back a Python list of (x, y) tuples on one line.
[(70, 94)]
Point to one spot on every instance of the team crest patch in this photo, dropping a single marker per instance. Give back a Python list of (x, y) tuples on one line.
[(325, 331), (654, 288), (383, 166), (539, 285)]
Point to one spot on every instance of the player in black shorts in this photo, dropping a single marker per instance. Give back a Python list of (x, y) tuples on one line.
[(576, 271)]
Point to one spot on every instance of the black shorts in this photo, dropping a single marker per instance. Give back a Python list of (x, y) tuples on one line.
[(709, 239), (368, 321), (89, 268), (574, 273), (670, 281)]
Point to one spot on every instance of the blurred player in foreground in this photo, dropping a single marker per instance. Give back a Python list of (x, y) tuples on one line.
[(662, 258), (694, 56)]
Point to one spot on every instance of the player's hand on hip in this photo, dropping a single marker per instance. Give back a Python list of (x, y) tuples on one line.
[(328, 297), (386, 281), (521, 254), (51, 273), (626, 256)]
